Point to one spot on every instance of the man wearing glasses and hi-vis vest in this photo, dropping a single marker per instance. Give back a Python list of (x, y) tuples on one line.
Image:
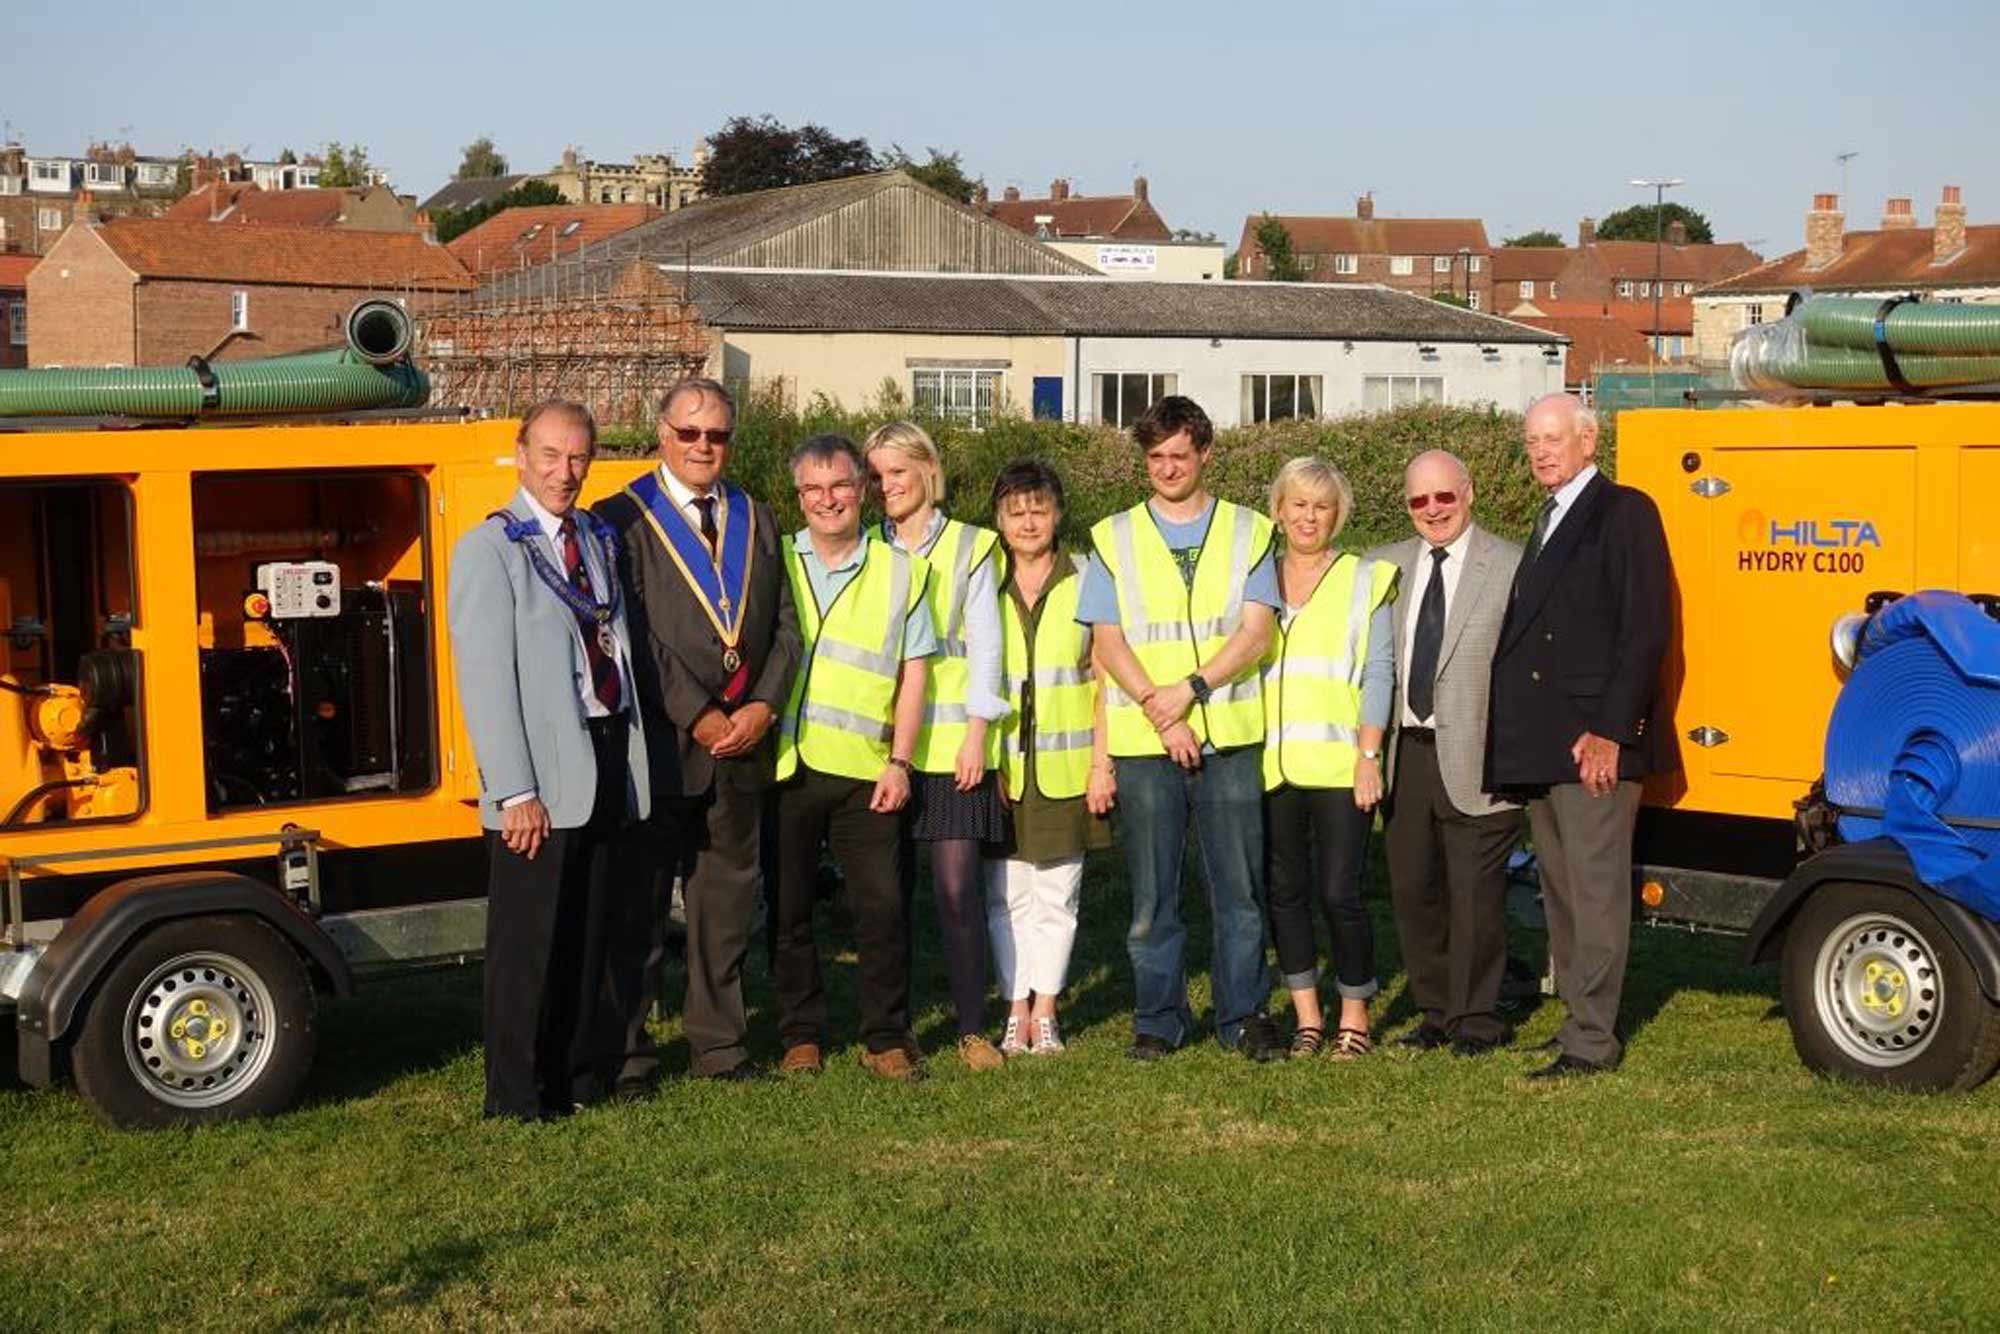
[(1185, 713)]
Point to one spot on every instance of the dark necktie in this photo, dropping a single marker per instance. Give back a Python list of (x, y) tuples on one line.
[(603, 668), (1541, 533), (706, 504), (1430, 638)]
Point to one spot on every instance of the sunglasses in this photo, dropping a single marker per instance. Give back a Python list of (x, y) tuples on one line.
[(687, 435), (1435, 497)]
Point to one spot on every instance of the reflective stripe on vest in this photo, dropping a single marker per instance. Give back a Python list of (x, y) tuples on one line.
[(841, 714), (953, 557), (1173, 629), (1312, 678), (1065, 695)]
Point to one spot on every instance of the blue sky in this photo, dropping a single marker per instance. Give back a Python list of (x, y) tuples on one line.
[(1523, 115)]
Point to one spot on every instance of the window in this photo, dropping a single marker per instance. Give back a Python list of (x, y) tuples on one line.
[(1402, 266), (1276, 398), (1472, 300), (1379, 393), (569, 228), (157, 173), (1527, 289), (239, 310), (1346, 265), (1625, 287), (49, 173), (1645, 289), (530, 234), (10, 185), (1120, 396), (1951, 300), (17, 323), (1473, 263), (49, 219), (1306, 263), (1552, 289), (957, 395), (1753, 313), (1676, 348), (104, 173)]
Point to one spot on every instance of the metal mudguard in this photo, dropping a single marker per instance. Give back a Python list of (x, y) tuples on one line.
[(98, 933), (1877, 861)]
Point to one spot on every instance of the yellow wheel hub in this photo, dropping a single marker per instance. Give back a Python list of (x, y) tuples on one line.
[(197, 1027), (1885, 991)]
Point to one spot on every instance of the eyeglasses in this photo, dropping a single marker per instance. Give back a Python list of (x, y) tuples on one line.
[(1434, 498), (687, 435), (812, 495)]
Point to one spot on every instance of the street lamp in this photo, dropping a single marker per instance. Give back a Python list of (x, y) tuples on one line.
[(1659, 189)]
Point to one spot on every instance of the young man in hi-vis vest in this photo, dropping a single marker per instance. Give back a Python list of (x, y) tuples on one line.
[(1185, 714), (845, 747)]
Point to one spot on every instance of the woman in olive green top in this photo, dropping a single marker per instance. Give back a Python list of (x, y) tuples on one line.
[(1056, 773)]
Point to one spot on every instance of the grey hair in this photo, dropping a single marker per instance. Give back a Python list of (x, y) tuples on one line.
[(704, 387), (825, 449), (1583, 417)]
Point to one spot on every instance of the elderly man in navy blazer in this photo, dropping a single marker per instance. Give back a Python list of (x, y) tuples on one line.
[(544, 675)]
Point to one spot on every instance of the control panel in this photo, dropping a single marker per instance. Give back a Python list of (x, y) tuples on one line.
[(298, 589)]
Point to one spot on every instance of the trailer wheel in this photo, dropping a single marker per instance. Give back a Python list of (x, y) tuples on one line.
[(203, 1019), (1877, 990)]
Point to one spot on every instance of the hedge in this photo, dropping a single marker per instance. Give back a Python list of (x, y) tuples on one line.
[(1102, 470)]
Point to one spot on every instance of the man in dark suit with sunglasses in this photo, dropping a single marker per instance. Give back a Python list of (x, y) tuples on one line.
[(716, 642), (1578, 714)]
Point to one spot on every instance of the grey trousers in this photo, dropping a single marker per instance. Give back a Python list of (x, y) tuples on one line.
[(720, 836), (1583, 845)]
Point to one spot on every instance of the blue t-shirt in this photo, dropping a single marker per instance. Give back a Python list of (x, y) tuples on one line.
[(1097, 604)]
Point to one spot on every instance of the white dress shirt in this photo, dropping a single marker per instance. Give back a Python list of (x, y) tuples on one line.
[(1565, 496), (600, 582), (1427, 570), (685, 496)]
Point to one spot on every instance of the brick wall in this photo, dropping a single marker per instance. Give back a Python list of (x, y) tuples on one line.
[(80, 299), (13, 356), (20, 215), (1420, 281), (178, 320)]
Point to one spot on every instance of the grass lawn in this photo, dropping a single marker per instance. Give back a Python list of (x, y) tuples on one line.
[(1711, 1181)]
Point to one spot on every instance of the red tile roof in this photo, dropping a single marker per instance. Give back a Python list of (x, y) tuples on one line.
[(238, 201), (1684, 263), (1897, 259), (1117, 217), (1519, 263), (306, 256), (14, 270), (518, 238), (1597, 342), (1676, 313), (1377, 236)]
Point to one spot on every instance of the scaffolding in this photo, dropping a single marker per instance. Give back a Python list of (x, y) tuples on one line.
[(609, 338)]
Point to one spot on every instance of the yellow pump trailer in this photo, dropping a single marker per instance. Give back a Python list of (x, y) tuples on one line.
[(1783, 521), (232, 769)]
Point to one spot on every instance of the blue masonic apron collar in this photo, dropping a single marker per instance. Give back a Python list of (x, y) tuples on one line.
[(721, 580)]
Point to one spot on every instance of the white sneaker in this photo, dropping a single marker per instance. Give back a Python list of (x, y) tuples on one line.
[(1048, 1042), (1013, 1042)]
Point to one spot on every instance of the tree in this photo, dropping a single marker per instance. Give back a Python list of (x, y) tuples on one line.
[(1541, 237), (454, 222), (1448, 298), (762, 153), (944, 173), (1192, 236), (1636, 224), (288, 157), (481, 160), (1229, 265), (1276, 243), (345, 165)]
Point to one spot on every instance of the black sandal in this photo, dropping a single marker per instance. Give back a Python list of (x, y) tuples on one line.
[(1307, 1040), (1350, 1044)]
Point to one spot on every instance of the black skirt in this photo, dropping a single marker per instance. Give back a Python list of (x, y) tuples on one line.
[(939, 811)]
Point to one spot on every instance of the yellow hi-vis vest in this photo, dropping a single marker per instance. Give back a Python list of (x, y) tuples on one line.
[(1057, 661), (953, 557), (1312, 678), (842, 711), (1173, 629)]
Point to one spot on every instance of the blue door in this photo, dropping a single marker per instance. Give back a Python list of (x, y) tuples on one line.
[(1048, 398)]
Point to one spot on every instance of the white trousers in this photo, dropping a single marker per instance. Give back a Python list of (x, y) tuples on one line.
[(1031, 913)]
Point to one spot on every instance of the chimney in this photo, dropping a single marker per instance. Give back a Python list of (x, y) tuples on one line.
[(1364, 208), (1139, 189), (1059, 189), (1948, 239), (1677, 233), (1823, 231), (1586, 231), (1899, 215), (1012, 194)]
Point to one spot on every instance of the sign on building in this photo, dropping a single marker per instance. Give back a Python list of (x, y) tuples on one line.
[(1127, 258)]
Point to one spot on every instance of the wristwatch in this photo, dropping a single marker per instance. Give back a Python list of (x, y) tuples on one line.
[(1199, 684), (1371, 754), (902, 764)]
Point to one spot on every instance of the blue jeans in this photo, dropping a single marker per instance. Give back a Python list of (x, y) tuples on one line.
[(1226, 796)]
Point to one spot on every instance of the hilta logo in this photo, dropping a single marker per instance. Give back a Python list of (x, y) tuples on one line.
[(1822, 546), (1827, 533)]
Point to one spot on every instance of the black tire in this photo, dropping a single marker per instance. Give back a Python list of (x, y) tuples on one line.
[(1876, 990), (203, 1019)]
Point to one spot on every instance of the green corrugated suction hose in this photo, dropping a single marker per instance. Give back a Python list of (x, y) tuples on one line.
[(1828, 342), (370, 372)]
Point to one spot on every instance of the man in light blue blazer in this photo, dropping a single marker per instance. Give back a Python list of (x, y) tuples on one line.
[(544, 676)]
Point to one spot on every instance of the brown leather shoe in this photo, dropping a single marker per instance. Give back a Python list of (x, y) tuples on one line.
[(895, 1063), (979, 1054), (802, 1059)]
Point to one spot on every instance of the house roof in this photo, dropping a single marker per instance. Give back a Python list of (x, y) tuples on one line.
[(1596, 341), (1899, 258), (1676, 313), (518, 237), (1524, 263), (14, 270), (1112, 217), (464, 194), (305, 256), (1376, 236), (1678, 263), (854, 302), (245, 202)]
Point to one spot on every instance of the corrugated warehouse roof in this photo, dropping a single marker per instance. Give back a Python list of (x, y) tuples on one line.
[(775, 300)]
